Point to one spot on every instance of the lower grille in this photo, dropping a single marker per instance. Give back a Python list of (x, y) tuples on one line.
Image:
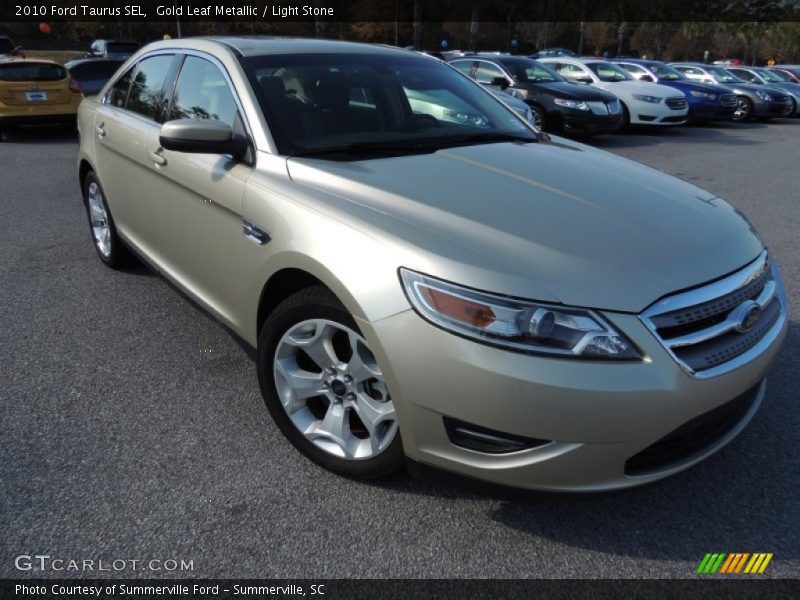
[(715, 328), (676, 103), (693, 437)]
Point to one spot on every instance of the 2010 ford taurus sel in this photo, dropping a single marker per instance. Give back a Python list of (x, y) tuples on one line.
[(453, 290)]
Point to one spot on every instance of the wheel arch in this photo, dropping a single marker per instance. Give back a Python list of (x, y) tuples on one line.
[(84, 168)]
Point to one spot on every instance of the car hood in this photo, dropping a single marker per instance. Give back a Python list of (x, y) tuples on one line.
[(744, 87), (573, 91), (553, 221), (687, 85), (644, 87)]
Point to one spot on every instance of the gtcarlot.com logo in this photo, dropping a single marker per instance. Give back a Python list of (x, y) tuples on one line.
[(735, 563), (45, 562)]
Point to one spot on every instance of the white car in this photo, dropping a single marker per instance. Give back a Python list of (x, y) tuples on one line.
[(644, 103)]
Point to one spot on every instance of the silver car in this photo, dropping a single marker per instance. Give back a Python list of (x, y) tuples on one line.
[(458, 295)]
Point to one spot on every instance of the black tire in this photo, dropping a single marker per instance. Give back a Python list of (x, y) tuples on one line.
[(118, 256), (745, 110), (626, 117), (540, 117), (314, 303)]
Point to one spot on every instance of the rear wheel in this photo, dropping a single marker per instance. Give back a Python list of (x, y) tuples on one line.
[(110, 247), (744, 110), (324, 388)]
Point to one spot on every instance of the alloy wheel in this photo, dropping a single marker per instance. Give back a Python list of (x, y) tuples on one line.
[(99, 220), (743, 110), (333, 391)]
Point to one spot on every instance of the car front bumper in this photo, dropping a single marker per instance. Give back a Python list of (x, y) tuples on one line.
[(576, 121), (708, 111), (597, 417)]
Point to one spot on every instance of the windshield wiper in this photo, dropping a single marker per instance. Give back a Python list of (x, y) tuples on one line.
[(425, 146), (487, 138), (382, 148)]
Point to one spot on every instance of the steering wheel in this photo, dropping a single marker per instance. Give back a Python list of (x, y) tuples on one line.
[(420, 121)]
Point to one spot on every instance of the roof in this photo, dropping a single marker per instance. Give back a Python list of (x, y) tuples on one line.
[(257, 45)]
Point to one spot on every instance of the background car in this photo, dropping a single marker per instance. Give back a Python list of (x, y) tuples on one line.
[(120, 49), (643, 103), (548, 52), (762, 76), (36, 91), (791, 71), (556, 103), (754, 100), (93, 73), (706, 101), (8, 49)]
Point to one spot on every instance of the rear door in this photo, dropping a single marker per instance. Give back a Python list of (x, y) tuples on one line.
[(198, 197), (129, 115)]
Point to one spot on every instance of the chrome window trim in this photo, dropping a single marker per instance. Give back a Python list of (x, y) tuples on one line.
[(772, 289)]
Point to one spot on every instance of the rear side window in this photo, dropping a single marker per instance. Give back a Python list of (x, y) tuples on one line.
[(16, 71), (145, 94), (6, 45), (118, 94), (203, 93)]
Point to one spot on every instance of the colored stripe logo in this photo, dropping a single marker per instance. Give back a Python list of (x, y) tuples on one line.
[(734, 563)]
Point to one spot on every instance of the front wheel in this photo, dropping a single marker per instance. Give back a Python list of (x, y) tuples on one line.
[(324, 388), (744, 110), (539, 117)]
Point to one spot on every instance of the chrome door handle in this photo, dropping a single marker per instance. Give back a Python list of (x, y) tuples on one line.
[(255, 234), (100, 130), (157, 157)]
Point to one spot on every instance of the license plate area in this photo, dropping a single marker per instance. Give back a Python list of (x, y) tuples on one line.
[(36, 96)]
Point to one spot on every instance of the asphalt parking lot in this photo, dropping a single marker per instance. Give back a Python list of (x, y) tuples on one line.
[(132, 425)]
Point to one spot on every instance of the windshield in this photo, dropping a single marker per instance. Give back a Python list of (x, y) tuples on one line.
[(769, 75), (121, 47), (665, 72), (781, 76), (374, 103), (608, 72), (723, 75), (530, 71)]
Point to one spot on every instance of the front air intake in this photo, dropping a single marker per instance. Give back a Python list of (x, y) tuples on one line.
[(488, 441)]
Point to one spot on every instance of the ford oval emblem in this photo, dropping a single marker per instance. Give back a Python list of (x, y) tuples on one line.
[(747, 315)]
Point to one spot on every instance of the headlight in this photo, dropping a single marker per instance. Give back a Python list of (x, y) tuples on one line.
[(466, 118), (651, 99), (764, 95), (576, 104), (705, 95), (515, 324)]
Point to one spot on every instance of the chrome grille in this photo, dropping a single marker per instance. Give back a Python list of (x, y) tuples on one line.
[(728, 100), (602, 108), (720, 326), (598, 108), (676, 103)]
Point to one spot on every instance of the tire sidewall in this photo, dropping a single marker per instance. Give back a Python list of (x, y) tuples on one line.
[(117, 254), (296, 309)]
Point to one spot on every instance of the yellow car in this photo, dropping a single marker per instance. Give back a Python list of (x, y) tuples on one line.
[(37, 91)]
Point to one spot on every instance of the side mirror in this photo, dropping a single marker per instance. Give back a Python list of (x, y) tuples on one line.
[(18, 52), (583, 79), (201, 136), (500, 82), (647, 78)]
